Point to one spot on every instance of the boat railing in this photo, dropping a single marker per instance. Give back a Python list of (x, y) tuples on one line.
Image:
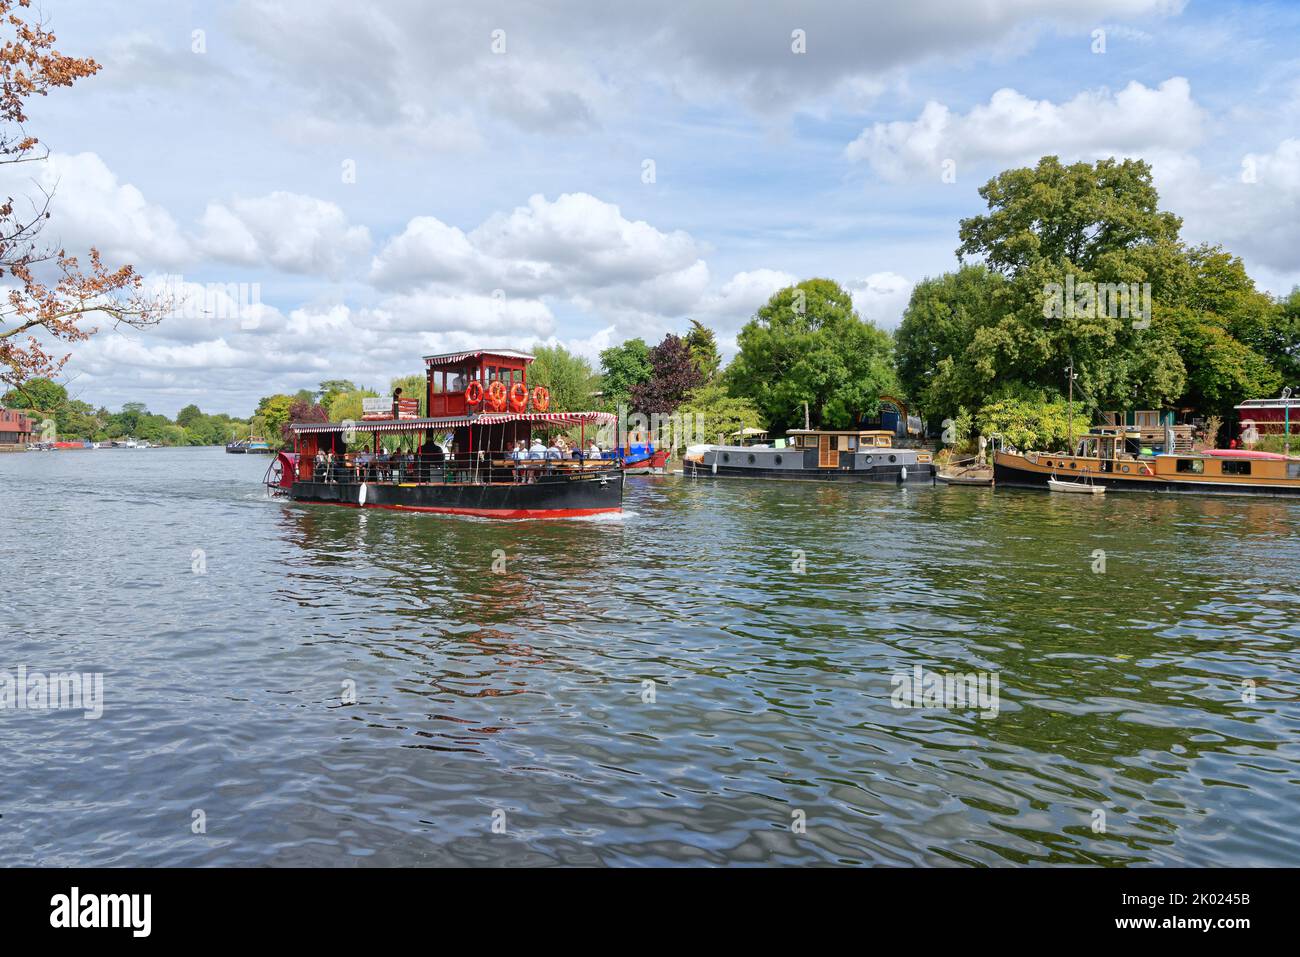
[(482, 467)]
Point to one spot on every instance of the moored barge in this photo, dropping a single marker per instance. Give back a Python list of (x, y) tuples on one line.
[(463, 457), (1114, 460), (818, 455)]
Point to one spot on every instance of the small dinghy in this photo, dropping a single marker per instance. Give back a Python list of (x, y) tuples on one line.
[(1087, 488)]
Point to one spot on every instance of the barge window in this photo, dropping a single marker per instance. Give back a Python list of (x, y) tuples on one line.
[(1196, 466), (1236, 468)]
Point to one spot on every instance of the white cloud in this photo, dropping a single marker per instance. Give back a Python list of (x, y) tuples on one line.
[(1012, 128), (1253, 210), (92, 207), (289, 231), (435, 309), (881, 297), (741, 295), (563, 67), (581, 239), (562, 247)]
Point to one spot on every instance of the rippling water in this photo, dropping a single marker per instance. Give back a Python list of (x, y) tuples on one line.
[(522, 698)]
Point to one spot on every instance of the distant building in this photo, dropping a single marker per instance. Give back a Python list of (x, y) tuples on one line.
[(15, 428), (1271, 416)]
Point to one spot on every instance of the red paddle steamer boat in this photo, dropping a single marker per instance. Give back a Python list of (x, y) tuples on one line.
[(462, 457)]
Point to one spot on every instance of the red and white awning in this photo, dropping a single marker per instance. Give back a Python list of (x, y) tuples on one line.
[(430, 425), (559, 418), (455, 358)]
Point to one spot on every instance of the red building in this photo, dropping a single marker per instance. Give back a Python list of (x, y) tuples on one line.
[(1271, 416), (15, 428)]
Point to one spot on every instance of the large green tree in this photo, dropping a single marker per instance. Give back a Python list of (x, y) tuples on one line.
[(623, 368), (807, 344), (41, 395), (1079, 266), (703, 345), (719, 413), (568, 377)]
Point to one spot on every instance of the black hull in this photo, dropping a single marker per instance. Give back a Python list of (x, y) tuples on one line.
[(879, 475), (1005, 475), (563, 498)]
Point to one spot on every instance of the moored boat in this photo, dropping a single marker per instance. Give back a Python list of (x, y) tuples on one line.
[(1112, 460), (464, 458), (818, 455), (1079, 488)]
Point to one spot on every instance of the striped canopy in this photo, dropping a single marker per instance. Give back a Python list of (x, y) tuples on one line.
[(484, 418)]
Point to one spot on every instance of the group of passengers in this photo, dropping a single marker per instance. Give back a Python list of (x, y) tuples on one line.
[(433, 463), (383, 466), (560, 449)]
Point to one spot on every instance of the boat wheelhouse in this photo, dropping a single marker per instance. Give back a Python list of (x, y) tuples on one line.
[(464, 456), (822, 455), (1113, 458)]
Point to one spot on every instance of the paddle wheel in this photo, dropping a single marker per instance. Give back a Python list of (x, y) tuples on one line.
[(280, 474)]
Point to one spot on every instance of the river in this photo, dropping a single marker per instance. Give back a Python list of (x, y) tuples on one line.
[(709, 678)]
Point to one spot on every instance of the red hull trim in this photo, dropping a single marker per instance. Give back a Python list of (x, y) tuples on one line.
[(481, 512)]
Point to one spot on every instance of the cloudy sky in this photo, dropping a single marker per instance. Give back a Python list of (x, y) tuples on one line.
[(409, 177)]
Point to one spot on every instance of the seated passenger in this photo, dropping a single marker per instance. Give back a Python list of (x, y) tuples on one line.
[(537, 450)]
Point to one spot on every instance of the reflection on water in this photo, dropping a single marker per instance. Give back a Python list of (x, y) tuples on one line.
[(670, 687)]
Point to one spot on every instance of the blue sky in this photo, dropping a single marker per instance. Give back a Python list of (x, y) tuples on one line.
[(500, 195)]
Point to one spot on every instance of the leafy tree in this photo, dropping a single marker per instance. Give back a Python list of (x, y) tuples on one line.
[(50, 295), (302, 411), (719, 412), (567, 377), (1029, 422), (1202, 335), (674, 374), (330, 388), (348, 406), (273, 413), (704, 349), (622, 368), (1078, 214), (1279, 343), (413, 387), (807, 344), (188, 416), (38, 394), (938, 325)]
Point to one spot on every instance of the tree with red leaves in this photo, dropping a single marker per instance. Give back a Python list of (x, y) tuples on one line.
[(675, 375), (302, 411), (52, 297)]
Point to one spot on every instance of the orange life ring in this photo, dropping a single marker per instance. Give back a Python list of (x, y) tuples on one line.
[(474, 393), (496, 393), (541, 399), (518, 397)]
